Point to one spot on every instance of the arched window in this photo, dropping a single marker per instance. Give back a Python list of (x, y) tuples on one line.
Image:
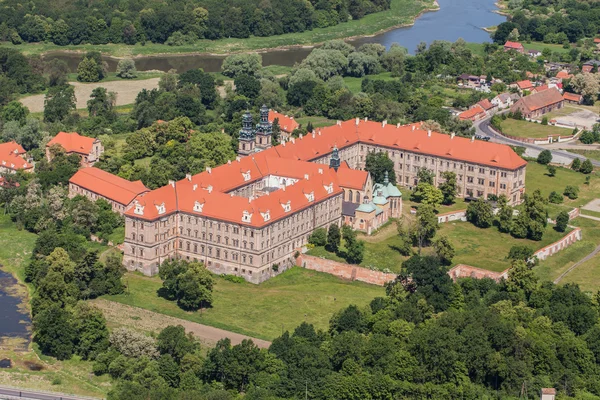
[(141, 238), (357, 197)]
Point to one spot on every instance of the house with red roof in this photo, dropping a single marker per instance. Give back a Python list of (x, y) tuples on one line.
[(516, 46), (572, 98), (286, 123), (87, 148), (524, 85), (474, 113), (255, 212), (563, 74), (538, 104), (95, 184), (13, 158)]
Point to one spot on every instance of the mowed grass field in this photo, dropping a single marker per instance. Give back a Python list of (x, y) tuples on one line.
[(261, 311), (591, 154), (527, 129)]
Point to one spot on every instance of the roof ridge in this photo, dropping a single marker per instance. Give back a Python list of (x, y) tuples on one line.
[(87, 172)]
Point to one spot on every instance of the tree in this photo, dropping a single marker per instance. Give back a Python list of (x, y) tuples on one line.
[(522, 253), (126, 69), (521, 278), (54, 332), (248, 86), (377, 164), (545, 157), (173, 341), (576, 164), (87, 70), (101, 103), (572, 192), (586, 167), (194, 287), (14, 111), (133, 344), (361, 64), (555, 198), (92, 333), (562, 220), (551, 170), (480, 213), (318, 237), (427, 194), (241, 64), (448, 187), (355, 251), (325, 63), (587, 85), (57, 71), (444, 250), (425, 175), (333, 238), (425, 227), (59, 102), (505, 215)]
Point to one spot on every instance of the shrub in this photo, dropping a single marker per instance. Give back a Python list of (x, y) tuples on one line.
[(562, 220), (233, 278), (318, 237), (545, 121), (576, 164), (551, 170), (586, 167), (555, 198), (572, 192), (126, 69), (545, 157)]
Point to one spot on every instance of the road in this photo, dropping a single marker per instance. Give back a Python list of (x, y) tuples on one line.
[(11, 393), (532, 150)]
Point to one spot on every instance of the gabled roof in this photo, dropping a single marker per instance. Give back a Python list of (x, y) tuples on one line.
[(10, 156), (108, 185), (73, 142), (572, 97), (351, 178), (540, 88), (596, 40), (286, 123), (503, 97), (513, 45), (563, 75), (485, 104), (539, 100), (524, 85), (471, 112)]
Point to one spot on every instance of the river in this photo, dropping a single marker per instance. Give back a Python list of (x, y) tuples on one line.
[(455, 19), (15, 321)]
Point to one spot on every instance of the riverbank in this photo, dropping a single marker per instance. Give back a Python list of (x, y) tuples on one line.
[(401, 13)]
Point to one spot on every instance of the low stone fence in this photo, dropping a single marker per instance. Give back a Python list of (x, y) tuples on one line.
[(344, 271), (460, 215), (467, 271), (557, 246)]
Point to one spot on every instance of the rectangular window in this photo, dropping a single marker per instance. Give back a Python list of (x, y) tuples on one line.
[(469, 179), (481, 181), (492, 184)]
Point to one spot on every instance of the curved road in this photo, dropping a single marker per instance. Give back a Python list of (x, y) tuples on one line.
[(483, 129), (11, 393)]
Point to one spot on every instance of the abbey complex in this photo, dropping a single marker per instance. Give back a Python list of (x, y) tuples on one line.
[(249, 216)]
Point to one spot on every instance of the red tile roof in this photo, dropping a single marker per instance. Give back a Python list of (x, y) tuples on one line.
[(472, 113), (207, 193), (525, 85), (73, 142), (572, 97), (108, 185), (596, 40), (485, 104), (563, 75), (539, 100), (10, 156), (540, 88), (513, 45), (286, 123)]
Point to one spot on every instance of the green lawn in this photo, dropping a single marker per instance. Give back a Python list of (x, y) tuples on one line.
[(488, 248), (402, 12), (260, 311), (534, 130), (318, 122), (566, 110), (591, 213), (354, 83), (17, 246), (592, 154), (112, 76), (537, 178)]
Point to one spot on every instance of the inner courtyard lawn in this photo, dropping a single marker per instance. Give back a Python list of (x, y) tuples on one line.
[(260, 311), (526, 129)]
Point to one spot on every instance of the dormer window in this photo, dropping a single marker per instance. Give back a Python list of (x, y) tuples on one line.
[(246, 217), (287, 207), (329, 188), (209, 188), (247, 176), (161, 208), (310, 196), (266, 215), (198, 206), (139, 209)]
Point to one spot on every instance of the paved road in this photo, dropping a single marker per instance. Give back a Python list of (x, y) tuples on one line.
[(11, 393), (532, 150)]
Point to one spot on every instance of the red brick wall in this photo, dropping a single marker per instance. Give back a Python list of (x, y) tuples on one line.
[(344, 271)]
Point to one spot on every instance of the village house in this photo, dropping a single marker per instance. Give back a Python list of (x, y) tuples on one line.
[(537, 104), (252, 213), (287, 124), (534, 53), (563, 74), (503, 100), (468, 80), (87, 148), (523, 86), (487, 106), (516, 46), (475, 113), (572, 98), (589, 66), (13, 158), (95, 184)]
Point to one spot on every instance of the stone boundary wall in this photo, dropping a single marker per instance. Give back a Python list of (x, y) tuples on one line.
[(460, 215), (344, 271), (559, 245), (467, 271)]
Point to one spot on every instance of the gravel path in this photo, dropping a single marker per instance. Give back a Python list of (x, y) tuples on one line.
[(139, 318), (126, 92)]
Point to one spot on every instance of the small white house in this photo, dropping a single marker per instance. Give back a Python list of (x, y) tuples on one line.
[(503, 100)]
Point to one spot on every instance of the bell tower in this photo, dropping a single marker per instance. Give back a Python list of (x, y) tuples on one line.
[(264, 129), (247, 137), (335, 161)]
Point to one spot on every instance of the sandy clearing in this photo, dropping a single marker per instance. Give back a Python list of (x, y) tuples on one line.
[(126, 92), (145, 320)]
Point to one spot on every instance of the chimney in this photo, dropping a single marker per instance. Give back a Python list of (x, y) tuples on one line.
[(413, 127), (188, 177), (195, 187), (366, 119), (321, 171), (429, 133), (357, 121), (293, 140), (208, 169), (283, 188), (384, 123), (472, 139), (398, 125), (306, 176), (338, 123), (172, 183), (319, 132), (301, 136), (229, 162), (283, 143), (313, 135), (452, 135), (237, 159)]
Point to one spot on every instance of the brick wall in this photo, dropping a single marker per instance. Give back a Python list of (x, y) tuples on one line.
[(344, 271), (467, 271), (460, 215), (557, 246)]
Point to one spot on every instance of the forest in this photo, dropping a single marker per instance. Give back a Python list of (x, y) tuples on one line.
[(172, 22)]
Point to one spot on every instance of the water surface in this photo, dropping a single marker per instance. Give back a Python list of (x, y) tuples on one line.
[(15, 321)]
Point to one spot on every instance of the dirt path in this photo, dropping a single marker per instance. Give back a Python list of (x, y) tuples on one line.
[(578, 263), (126, 92), (139, 318)]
